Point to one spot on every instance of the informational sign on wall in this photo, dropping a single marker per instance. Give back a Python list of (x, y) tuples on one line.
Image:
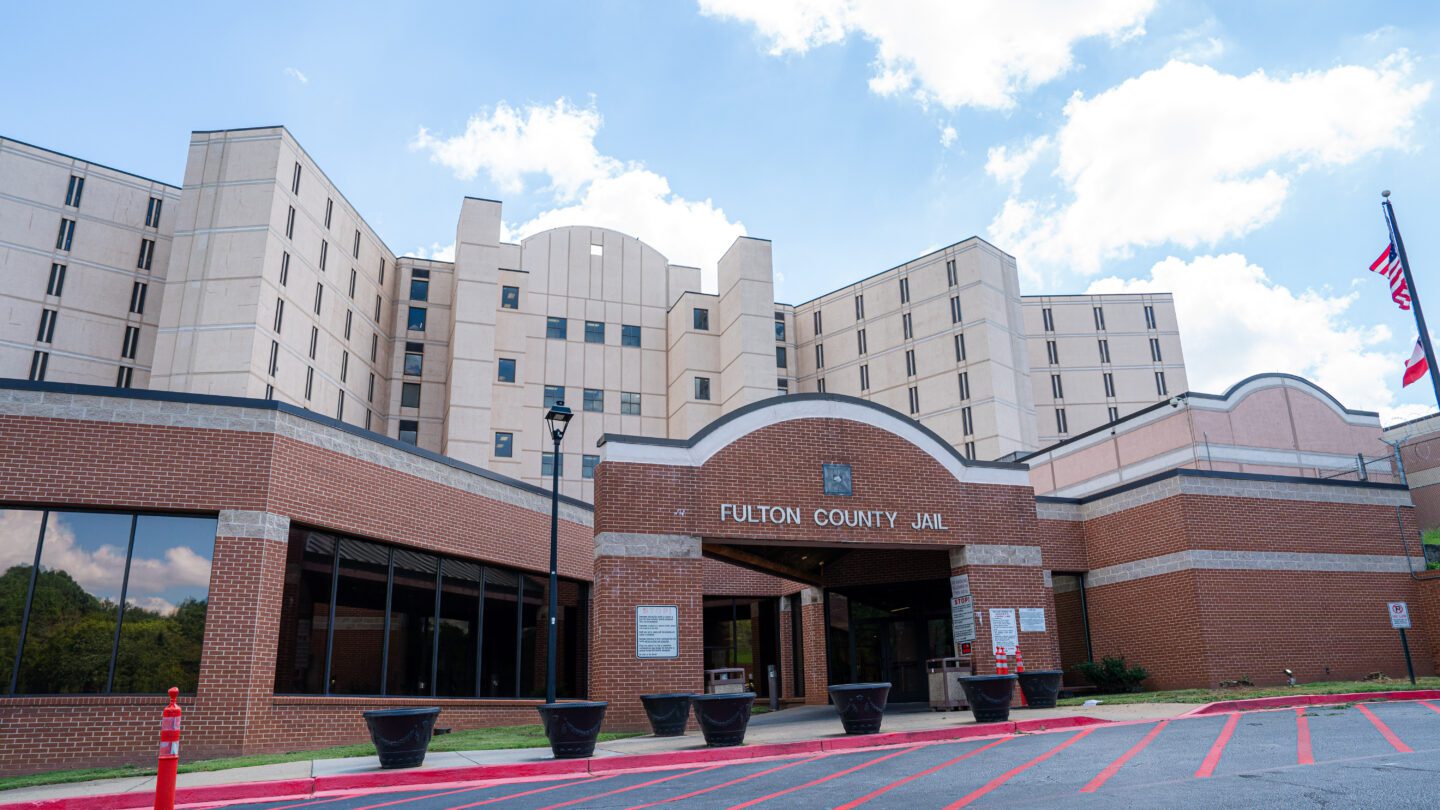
[(1032, 620), (1004, 632), (1399, 615), (962, 609), (657, 631)]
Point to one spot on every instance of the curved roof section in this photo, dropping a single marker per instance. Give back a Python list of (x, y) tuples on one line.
[(590, 229), (714, 437)]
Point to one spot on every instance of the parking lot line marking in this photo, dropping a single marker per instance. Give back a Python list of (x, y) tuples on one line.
[(1384, 730), (312, 802), (1010, 774), (912, 777), (1114, 767), (1304, 754), (867, 763), (1431, 706), (1212, 758), (417, 798), (629, 788), (563, 783), (731, 782)]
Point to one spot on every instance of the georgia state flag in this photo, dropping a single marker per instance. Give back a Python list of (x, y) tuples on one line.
[(1416, 367)]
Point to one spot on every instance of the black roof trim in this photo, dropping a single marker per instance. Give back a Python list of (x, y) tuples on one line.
[(975, 238), (805, 397), (90, 162), (484, 199), (1223, 475), (1416, 420), (1199, 395), (273, 405), (236, 129)]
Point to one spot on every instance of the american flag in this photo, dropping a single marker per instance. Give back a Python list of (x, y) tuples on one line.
[(1388, 265)]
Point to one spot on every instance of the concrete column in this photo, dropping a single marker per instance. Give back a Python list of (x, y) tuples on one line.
[(817, 659), (242, 631), (1008, 577), (472, 331), (747, 324), (633, 570)]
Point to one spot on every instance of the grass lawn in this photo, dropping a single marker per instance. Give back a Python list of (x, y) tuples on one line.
[(1241, 693), (475, 740)]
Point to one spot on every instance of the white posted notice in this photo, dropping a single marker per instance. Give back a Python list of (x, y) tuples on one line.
[(1004, 632), (1032, 620), (1399, 616), (657, 631)]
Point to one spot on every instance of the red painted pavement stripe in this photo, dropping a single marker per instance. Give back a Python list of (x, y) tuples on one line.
[(728, 784), (1217, 748), (1010, 774), (1431, 706), (416, 798), (1304, 755), (1114, 767), (563, 783), (912, 777), (314, 802), (1385, 730), (867, 763), (628, 788)]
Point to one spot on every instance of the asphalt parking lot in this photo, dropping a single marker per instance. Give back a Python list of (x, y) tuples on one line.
[(1367, 755)]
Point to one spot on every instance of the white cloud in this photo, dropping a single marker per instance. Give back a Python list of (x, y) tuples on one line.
[(1010, 167), (557, 142), (1235, 321), (436, 251), (948, 136), (1189, 156), (297, 75), (980, 53), (1198, 48)]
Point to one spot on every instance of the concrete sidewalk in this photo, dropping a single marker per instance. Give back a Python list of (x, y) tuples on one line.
[(790, 725)]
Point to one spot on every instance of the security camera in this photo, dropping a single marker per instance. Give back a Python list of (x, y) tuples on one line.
[(1175, 402)]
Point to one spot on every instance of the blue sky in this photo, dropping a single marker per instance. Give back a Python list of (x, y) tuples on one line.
[(1232, 153)]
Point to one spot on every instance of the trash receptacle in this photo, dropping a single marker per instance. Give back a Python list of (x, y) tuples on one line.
[(946, 691), (729, 681)]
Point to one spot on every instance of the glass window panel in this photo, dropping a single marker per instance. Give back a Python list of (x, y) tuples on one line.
[(497, 660), (570, 633), (19, 532), (412, 623), (305, 614), (167, 590), (459, 628), (359, 636), (534, 608), (75, 608)]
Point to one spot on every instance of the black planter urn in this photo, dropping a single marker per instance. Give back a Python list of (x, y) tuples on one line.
[(724, 717), (401, 736), (667, 712), (572, 727), (989, 696), (1041, 687), (861, 705)]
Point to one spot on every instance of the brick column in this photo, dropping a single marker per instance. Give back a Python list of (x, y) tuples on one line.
[(633, 570), (785, 645), (242, 627), (1008, 577), (817, 659)]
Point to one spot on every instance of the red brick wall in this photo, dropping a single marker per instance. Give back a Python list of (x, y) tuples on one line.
[(1152, 622), (817, 664), (1070, 633), (1011, 586)]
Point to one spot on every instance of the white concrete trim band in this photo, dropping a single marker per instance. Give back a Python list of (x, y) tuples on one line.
[(1209, 560), (982, 554), (1242, 488), (663, 546), (735, 429), (259, 525)]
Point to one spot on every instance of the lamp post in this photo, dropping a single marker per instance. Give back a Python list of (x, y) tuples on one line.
[(556, 420)]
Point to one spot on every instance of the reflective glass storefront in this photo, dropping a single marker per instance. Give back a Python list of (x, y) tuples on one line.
[(102, 602), (364, 618)]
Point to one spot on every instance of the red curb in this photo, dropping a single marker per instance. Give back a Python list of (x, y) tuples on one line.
[(305, 788), (1290, 701)]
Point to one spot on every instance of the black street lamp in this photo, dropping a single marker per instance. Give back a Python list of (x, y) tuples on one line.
[(557, 419)]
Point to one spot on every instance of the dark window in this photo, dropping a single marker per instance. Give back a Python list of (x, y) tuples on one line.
[(588, 465), (324, 254), (914, 399), (1061, 425), (702, 388), (780, 359), (409, 395), (505, 370), (815, 316), (906, 326), (38, 363), (594, 332), (147, 254), (414, 358), (865, 378), (355, 253), (457, 655), (964, 377), (820, 385), (819, 355), (630, 403), (377, 309), (1104, 346), (595, 400), (554, 395), (349, 316), (780, 327), (629, 335), (329, 209), (1149, 317), (284, 268), (782, 385), (1155, 350), (409, 431), (1099, 313), (1049, 319), (1056, 389), (1160, 388), (419, 289), (967, 421), (860, 341), (152, 212), (360, 586), (352, 282), (504, 445), (951, 276), (279, 314), (74, 190), (551, 464), (510, 297), (382, 271), (56, 285), (124, 376), (1113, 413), (66, 235), (130, 343), (319, 296), (1052, 352), (375, 346), (1109, 384), (78, 640), (415, 319), (970, 450), (955, 316), (309, 383), (702, 319), (369, 397), (555, 328), (910, 362), (295, 181), (274, 357), (137, 297), (314, 340), (46, 333), (412, 624), (859, 307), (904, 290), (290, 223), (344, 366)]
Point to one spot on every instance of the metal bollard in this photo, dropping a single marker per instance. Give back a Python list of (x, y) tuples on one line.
[(774, 689), (169, 763)]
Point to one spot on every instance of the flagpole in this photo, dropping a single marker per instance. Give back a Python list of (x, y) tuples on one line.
[(1414, 294)]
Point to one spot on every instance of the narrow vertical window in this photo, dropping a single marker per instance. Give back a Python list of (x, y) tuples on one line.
[(309, 382), (1149, 317), (130, 343), (820, 385), (904, 290), (377, 308), (56, 285), (329, 208), (950, 275), (970, 450), (865, 378), (353, 277), (39, 361), (859, 307), (344, 366), (1057, 390), (914, 400), (295, 180), (374, 346), (1113, 413), (123, 376), (340, 405), (284, 268), (46, 333), (1061, 425), (967, 421), (815, 316), (1099, 313), (73, 192), (66, 236), (910, 362), (964, 385), (1104, 346), (1160, 388), (702, 388), (1109, 384), (370, 391), (279, 314), (1049, 318), (290, 223), (147, 255), (960, 348), (356, 252), (382, 271), (907, 326), (274, 357), (269, 391), (860, 342), (137, 297), (152, 212), (819, 355), (324, 254), (349, 316), (1052, 352), (955, 316), (781, 361), (314, 340), (1155, 350), (319, 296)]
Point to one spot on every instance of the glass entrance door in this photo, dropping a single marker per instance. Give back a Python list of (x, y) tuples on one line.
[(889, 633)]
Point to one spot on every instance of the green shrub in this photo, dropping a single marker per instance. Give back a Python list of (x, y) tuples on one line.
[(1113, 675)]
